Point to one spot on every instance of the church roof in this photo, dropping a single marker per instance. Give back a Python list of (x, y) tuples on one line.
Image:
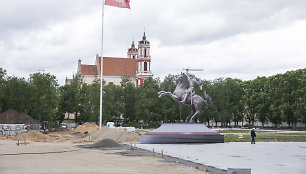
[(112, 66), (119, 66), (89, 69)]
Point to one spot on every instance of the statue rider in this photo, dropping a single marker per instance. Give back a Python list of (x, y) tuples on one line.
[(185, 88), (190, 91)]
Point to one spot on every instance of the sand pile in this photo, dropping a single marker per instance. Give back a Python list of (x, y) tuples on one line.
[(105, 143), (117, 134), (34, 135), (87, 127), (11, 116)]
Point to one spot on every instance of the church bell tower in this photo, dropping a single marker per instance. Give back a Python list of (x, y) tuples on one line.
[(132, 52), (143, 61)]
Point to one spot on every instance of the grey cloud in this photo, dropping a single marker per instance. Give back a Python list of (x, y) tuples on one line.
[(182, 23), (19, 15), (180, 32)]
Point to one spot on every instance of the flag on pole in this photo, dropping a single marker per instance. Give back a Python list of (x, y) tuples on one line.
[(118, 3)]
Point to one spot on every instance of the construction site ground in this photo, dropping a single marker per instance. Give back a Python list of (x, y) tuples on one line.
[(67, 152), (67, 158)]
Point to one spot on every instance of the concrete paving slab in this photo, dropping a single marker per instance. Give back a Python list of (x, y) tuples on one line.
[(262, 157)]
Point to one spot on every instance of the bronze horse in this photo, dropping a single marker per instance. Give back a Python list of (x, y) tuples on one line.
[(183, 88)]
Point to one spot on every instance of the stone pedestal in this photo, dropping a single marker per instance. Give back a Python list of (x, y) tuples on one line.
[(174, 133)]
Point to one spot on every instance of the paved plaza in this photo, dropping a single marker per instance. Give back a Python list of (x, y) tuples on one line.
[(262, 158)]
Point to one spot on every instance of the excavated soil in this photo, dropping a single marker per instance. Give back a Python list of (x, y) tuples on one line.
[(117, 134), (34, 135), (11, 116), (106, 143), (83, 133), (87, 127)]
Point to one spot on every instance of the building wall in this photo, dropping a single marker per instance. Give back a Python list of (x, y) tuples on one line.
[(114, 79), (69, 116), (117, 79), (89, 79)]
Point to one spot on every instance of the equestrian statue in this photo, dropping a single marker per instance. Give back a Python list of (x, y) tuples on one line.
[(184, 93)]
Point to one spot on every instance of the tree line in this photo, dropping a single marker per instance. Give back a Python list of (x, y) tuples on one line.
[(37, 96), (278, 98)]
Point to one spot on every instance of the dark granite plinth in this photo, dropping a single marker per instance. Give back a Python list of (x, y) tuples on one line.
[(174, 133)]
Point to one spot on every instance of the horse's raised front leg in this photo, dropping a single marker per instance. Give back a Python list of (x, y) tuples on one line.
[(174, 97), (163, 93), (160, 92)]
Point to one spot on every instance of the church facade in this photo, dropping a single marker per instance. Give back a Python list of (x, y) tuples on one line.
[(137, 66)]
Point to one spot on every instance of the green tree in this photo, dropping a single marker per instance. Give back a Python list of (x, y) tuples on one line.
[(95, 101), (63, 102), (85, 104), (287, 97), (221, 97), (274, 86), (301, 96), (148, 106), (235, 99), (69, 100), (129, 98), (90, 102), (112, 102), (44, 99), (249, 108), (227, 96), (17, 94), (2, 88), (208, 112), (260, 99), (292, 82)]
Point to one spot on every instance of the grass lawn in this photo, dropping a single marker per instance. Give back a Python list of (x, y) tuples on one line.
[(267, 137), (262, 136), (234, 131)]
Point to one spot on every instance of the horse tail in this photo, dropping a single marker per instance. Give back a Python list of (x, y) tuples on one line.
[(208, 98)]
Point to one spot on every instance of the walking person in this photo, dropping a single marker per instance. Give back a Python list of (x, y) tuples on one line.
[(253, 135)]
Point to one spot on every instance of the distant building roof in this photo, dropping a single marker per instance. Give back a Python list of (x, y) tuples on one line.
[(118, 66), (89, 70)]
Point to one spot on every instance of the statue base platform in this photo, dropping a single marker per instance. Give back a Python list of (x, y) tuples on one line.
[(175, 133)]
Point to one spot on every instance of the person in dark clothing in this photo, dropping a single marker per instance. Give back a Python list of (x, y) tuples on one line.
[(253, 135)]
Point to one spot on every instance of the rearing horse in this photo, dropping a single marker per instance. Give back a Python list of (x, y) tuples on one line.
[(194, 100)]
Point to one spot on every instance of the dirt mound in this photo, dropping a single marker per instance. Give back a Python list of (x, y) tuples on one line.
[(106, 143), (11, 116), (87, 127), (117, 134), (34, 135)]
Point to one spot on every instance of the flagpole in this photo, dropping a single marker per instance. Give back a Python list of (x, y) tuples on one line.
[(101, 69)]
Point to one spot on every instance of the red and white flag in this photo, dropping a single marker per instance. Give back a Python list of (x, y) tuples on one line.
[(118, 3)]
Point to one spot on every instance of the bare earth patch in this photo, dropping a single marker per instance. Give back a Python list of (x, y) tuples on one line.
[(67, 158), (83, 150)]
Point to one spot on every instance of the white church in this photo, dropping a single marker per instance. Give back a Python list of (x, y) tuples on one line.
[(137, 66)]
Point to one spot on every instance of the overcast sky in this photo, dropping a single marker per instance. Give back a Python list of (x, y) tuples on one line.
[(238, 39)]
